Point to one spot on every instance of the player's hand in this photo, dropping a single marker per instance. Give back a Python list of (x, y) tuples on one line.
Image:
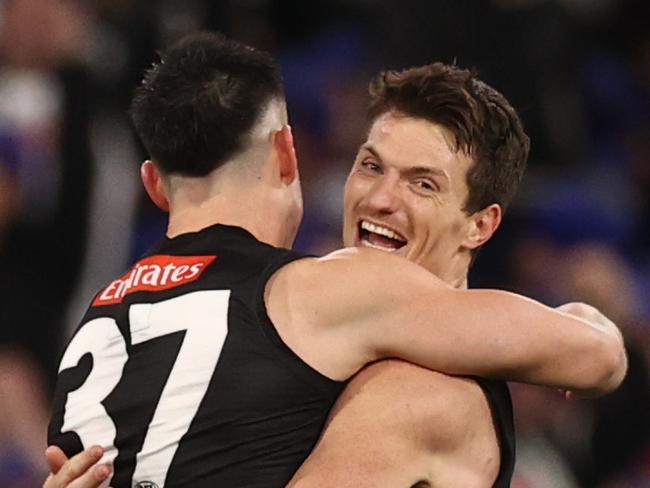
[(81, 471)]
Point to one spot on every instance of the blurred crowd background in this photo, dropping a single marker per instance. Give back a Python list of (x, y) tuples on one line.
[(73, 215)]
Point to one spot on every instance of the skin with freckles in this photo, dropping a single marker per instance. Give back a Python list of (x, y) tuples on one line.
[(408, 177)]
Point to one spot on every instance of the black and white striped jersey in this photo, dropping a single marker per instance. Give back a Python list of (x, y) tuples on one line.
[(178, 372)]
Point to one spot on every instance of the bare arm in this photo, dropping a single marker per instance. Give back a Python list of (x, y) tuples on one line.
[(358, 305)]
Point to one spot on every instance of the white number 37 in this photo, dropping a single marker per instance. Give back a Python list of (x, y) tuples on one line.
[(204, 318)]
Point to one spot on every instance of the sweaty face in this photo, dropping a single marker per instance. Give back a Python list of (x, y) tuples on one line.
[(405, 194)]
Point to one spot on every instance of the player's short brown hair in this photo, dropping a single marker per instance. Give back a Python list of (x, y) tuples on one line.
[(484, 124)]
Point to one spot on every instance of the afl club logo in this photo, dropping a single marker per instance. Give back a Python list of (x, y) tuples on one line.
[(145, 484)]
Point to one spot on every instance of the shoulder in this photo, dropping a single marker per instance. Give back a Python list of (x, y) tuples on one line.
[(332, 310), (356, 264), (354, 280)]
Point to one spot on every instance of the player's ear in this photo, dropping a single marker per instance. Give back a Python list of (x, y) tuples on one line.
[(153, 184), (283, 143), (482, 225)]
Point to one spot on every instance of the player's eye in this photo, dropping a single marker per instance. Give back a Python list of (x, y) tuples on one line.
[(370, 166), (426, 185)]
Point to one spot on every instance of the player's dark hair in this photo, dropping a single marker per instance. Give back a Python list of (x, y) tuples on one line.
[(484, 124), (195, 108)]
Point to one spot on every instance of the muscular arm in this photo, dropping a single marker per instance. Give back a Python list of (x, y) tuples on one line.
[(358, 305), (397, 425)]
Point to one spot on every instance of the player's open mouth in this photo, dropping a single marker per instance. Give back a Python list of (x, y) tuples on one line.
[(379, 237)]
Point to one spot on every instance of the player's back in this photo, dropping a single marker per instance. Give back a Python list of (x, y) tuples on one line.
[(398, 425), (178, 371)]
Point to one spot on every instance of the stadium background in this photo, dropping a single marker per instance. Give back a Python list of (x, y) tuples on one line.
[(73, 216)]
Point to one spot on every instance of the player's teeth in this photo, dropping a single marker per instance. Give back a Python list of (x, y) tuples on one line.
[(379, 230)]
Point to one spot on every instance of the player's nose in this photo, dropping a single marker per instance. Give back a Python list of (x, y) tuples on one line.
[(384, 195)]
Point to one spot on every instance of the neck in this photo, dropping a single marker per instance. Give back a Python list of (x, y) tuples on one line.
[(457, 280), (252, 210), (461, 283), (455, 271)]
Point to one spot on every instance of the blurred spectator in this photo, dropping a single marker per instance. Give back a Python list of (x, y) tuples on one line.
[(540, 415), (8, 199), (45, 181), (621, 432), (595, 443), (23, 421), (44, 117)]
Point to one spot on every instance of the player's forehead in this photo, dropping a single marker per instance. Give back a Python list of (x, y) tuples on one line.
[(407, 143)]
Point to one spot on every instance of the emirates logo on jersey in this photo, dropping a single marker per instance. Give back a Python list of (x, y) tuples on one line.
[(155, 273)]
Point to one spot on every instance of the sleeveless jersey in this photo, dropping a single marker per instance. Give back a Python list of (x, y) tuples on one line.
[(498, 397), (178, 371)]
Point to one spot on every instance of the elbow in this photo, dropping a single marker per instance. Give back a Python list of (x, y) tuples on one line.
[(608, 366)]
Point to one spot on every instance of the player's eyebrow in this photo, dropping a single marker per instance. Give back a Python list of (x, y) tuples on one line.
[(371, 149)]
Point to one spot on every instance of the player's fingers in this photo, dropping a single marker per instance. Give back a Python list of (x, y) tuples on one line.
[(91, 478), (76, 467), (56, 458)]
